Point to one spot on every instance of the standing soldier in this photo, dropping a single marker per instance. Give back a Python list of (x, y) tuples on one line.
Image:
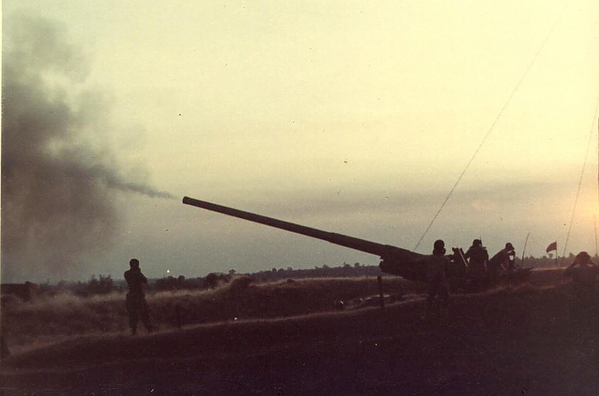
[(477, 262), (436, 268), (584, 274), (136, 300)]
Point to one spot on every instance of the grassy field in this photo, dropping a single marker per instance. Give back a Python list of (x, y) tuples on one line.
[(65, 315), (505, 341)]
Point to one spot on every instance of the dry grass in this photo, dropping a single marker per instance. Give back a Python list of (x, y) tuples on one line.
[(66, 315), (56, 318)]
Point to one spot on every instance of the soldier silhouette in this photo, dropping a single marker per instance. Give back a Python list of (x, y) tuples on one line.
[(510, 257), (436, 268), (502, 264), (136, 300), (585, 275), (477, 256)]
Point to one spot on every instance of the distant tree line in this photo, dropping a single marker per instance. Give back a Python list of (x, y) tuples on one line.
[(550, 262), (210, 281), (104, 284), (344, 271)]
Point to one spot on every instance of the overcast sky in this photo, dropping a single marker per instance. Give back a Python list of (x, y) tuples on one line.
[(352, 117)]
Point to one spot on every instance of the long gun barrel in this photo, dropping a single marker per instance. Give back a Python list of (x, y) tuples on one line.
[(392, 254), (337, 239)]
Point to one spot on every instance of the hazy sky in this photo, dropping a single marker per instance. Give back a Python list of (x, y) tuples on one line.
[(353, 117)]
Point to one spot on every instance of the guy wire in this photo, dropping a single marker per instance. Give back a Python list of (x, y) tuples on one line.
[(493, 124), (580, 181)]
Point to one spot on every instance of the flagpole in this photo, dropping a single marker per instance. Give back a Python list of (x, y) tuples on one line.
[(595, 225), (524, 249)]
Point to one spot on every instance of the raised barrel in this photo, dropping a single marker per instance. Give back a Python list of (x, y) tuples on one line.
[(337, 239), (395, 260)]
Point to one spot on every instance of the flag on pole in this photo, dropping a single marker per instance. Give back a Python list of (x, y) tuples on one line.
[(552, 246)]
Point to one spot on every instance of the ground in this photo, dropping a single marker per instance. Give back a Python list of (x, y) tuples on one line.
[(510, 341)]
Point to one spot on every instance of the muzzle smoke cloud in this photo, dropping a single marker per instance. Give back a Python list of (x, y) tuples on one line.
[(59, 190)]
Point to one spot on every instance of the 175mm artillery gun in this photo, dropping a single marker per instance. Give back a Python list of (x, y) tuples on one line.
[(394, 260)]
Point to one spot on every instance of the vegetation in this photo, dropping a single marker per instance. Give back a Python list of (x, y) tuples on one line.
[(65, 314), (97, 306), (104, 284)]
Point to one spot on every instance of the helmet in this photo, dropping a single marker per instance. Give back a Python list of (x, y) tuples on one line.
[(134, 263), (477, 242), (509, 246), (439, 247), (439, 244), (583, 257)]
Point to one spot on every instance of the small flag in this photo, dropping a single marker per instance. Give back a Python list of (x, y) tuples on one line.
[(552, 246)]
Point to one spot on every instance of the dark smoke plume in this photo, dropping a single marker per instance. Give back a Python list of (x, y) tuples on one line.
[(59, 191)]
